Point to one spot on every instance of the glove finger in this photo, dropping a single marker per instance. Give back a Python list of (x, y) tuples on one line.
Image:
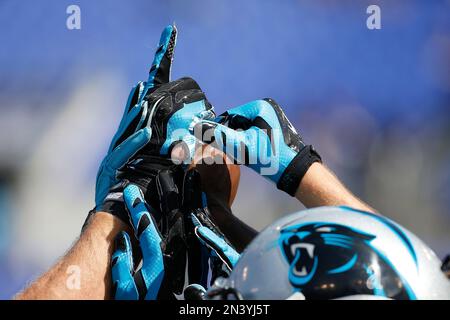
[(134, 96), (139, 215), (181, 124), (160, 71), (152, 271), (122, 269), (225, 252), (133, 99), (233, 143), (264, 114), (244, 114), (130, 122), (122, 153)]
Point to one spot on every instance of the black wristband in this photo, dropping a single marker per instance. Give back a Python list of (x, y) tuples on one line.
[(115, 208), (293, 175)]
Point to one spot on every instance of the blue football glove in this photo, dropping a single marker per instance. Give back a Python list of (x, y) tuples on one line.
[(144, 283), (125, 143), (158, 114), (266, 142), (215, 243), (172, 107), (114, 160), (132, 133)]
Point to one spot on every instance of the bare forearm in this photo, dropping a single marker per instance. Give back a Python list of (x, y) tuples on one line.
[(321, 187), (83, 273)]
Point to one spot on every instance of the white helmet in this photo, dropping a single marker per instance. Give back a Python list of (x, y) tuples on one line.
[(335, 253)]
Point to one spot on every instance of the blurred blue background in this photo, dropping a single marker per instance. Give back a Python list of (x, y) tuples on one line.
[(375, 103)]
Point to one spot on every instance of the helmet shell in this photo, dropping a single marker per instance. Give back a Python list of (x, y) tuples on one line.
[(336, 252)]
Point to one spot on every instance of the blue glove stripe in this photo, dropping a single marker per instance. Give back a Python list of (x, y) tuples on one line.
[(139, 86), (124, 125), (163, 44), (149, 240), (134, 201), (103, 183), (106, 175), (126, 290), (119, 157), (218, 244), (153, 265), (122, 271), (153, 277)]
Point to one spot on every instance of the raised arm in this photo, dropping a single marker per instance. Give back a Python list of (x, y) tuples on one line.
[(259, 135), (83, 272), (321, 187)]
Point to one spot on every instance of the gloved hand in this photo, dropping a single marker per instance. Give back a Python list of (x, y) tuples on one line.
[(125, 143), (172, 107), (216, 243), (158, 115), (267, 142), (128, 283), (117, 158), (210, 255), (158, 246), (132, 135)]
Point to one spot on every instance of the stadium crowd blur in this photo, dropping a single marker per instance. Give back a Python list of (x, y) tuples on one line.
[(375, 103)]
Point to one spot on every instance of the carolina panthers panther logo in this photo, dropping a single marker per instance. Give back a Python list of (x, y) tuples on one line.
[(329, 260)]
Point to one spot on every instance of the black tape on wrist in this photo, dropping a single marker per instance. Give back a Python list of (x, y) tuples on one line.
[(293, 175)]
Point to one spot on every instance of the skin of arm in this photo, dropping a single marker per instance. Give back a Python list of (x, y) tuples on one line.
[(321, 187), (91, 255)]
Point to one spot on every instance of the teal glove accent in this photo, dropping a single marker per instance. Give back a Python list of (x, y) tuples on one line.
[(124, 287), (215, 243), (117, 158), (145, 282)]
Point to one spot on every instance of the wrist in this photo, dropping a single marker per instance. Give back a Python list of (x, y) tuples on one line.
[(103, 226), (292, 176)]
